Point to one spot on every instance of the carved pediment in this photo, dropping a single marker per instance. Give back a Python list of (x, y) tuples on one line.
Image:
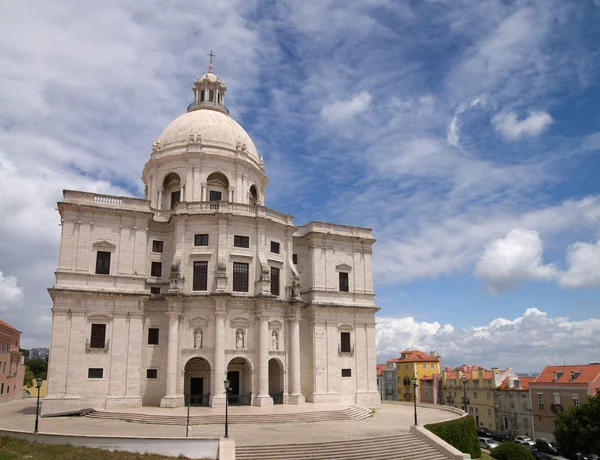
[(98, 317), (239, 322), (276, 324), (199, 321), (103, 244), (343, 267)]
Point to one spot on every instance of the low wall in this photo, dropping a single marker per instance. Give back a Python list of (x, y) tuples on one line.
[(189, 447), (438, 443), (455, 410)]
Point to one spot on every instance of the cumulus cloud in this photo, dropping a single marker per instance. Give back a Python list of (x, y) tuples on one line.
[(342, 110), (453, 135), (527, 342), (10, 292), (510, 261), (512, 128), (584, 266)]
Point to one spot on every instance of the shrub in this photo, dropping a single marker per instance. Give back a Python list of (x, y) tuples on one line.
[(578, 428), (511, 451), (460, 433)]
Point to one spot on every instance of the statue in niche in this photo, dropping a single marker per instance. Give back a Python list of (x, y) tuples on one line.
[(239, 339), (275, 340), (295, 289), (198, 338)]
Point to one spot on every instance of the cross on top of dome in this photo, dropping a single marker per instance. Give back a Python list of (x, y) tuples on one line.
[(209, 91)]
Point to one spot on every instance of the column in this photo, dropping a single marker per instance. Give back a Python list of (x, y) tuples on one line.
[(172, 399), (263, 398), (219, 371), (295, 396)]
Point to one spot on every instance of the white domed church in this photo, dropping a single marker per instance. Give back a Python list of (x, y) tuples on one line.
[(166, 297)]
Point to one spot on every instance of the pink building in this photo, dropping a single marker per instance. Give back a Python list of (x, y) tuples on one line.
[(12, 367), (429, 389)]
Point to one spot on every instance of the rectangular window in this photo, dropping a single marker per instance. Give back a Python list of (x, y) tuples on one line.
[(556, 398), (274, 281), (200, 282), (295, 259), (156, 269), (433, 366), (406, 367), (424, 366), (275, 247), (2, 389), (241, 241), (215, 195), (487, 395), (95, 373), (345, 342), (154, 290), (344, 286), (240, 276), (151, 373), (103, 263), (211, 95), (202, 96), (540, 400), (474, 395), (201, 239), (98, 336), (575, 399), (175, 198), (346, 372), (470, 409), (490, 412), (525, 422), (157, 246), (153, 336)]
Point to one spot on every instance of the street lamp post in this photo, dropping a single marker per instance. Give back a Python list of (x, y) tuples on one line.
[(38, 385), (464, 382), (415, 385), (226, 383)]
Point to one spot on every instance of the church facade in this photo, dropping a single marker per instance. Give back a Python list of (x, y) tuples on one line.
[(199, 283)]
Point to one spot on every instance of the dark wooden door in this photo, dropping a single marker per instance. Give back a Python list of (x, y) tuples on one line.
[(196, 386)]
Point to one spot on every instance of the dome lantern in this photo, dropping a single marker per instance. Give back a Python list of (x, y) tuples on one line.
[(209, 91)]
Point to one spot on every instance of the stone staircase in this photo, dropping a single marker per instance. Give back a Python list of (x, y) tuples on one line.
[(350, 413), (404, 446)]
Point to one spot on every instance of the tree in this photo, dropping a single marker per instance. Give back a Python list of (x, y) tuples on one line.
[(29, 378), (25, 353), (578, 429), (39, 353), (511, 451), (38, 367)]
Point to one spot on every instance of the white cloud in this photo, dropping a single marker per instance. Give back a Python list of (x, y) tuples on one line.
[(527, 342), (10, 292), (510, 261), (453, 135), (584, 266), (512, 128), (341, 110)]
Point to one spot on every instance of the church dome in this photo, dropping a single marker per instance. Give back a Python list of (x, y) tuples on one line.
[(214, 127)]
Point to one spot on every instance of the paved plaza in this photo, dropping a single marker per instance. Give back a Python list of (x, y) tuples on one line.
[(389, 419)]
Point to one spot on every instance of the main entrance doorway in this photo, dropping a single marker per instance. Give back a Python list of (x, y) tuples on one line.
[(197, 382), (276, 380), (239, 374)]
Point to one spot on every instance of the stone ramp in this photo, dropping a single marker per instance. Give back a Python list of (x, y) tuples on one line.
[(404, 446), (351, 413)]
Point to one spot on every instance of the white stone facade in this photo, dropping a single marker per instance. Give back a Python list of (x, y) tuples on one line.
[(170, 295)]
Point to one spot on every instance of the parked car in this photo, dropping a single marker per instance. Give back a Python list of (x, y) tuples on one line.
[(524, 441), (547, 446), (502, 437), (487, 443), (484, 432), (540, 455)]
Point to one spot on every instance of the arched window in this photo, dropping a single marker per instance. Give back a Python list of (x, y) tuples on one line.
[(253, 195), (171, 191), (406, 381), (218, 187)]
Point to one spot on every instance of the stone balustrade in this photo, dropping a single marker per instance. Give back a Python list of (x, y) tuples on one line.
[(226, 207), (324, 227), (109, 201)]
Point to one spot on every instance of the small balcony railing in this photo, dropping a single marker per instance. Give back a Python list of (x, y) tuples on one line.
[(556, 408), (207, 105), (466, 400), (95, 347), (450, 399), (346, 352)]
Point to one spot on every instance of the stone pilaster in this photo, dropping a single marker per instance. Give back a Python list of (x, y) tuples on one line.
[(293, 319), (172, 399), (219, 370), (263, 398)]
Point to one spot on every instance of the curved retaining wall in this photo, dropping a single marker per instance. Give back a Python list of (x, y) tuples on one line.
[(214, 448)]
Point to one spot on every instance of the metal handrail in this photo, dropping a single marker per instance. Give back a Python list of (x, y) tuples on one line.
[(199, 104)]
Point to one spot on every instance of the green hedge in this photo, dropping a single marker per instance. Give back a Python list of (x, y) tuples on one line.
[(512, 451), (460, 433)]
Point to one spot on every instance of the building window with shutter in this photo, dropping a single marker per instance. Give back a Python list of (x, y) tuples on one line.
[(200, 282), (275, 247), (344, 285), (274, 281), (201, 239), (157, 246), (153, 336), (95, 373), (156, 269), (241, 241), (240, 276), (345, 342), (103, 263), (98, 336)]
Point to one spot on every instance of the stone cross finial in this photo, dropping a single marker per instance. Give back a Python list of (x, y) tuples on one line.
[(210, 63)]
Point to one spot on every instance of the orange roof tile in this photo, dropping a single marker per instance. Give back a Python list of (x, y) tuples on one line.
[(589, 373), (416, 355), (4, 323), (525, 381), (380, 367)]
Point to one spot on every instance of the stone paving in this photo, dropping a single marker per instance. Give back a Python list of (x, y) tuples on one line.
[(389, 419)]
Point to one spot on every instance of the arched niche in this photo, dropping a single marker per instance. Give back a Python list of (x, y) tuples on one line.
[(171, 190), (217, 185), (253, 195)]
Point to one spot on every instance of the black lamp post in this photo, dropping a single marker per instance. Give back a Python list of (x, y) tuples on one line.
[(464, 382), (38, 385), (226, 383), (415, 385)]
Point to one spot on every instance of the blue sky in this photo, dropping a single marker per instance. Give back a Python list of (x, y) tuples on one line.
[(466, 133)]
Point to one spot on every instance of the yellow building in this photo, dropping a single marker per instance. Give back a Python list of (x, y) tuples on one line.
[(32, 390), (414, 363), (478, 385)]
